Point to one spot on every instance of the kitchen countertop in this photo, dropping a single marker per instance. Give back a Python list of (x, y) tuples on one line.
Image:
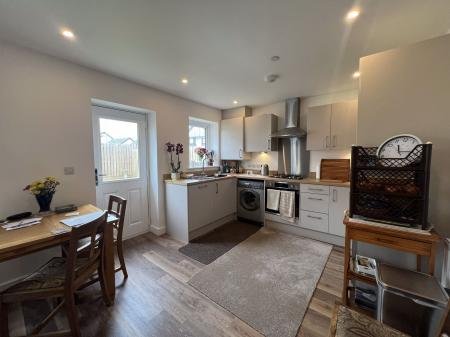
[(188, 182)]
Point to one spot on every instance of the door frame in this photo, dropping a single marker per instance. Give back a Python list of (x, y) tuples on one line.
[(145, 114)]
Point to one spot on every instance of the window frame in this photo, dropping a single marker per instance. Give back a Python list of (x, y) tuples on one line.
[(201, 124)]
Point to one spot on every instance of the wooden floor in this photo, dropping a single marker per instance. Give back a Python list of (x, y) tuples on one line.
[(156, 300)]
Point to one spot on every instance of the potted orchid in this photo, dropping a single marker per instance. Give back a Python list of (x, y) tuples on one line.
[(174, 167), (43, 190), (204, 155)]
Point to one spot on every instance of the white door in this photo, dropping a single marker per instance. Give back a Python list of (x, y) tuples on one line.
[(318, 126), (339, 202), (120, 152)]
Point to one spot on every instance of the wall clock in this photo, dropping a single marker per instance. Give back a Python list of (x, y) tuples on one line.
[(398, 147)]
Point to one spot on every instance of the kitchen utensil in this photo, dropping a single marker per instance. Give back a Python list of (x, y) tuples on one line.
[(335, 169), (265, 170)]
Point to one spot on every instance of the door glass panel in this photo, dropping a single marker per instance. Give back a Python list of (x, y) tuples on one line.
[(119, 147)]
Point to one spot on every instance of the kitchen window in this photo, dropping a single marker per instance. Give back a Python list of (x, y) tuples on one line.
[(199, 136)]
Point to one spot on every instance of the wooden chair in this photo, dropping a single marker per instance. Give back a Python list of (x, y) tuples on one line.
[(116, 207), (60, 277)]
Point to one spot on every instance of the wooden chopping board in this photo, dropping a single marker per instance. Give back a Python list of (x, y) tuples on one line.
[(335, 169)]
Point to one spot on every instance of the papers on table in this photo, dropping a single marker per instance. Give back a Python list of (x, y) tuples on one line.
[(81, 220), (22, 223)]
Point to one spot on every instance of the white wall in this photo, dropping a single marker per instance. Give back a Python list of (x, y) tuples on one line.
[(277, 109), (407, 90), (45, 124)]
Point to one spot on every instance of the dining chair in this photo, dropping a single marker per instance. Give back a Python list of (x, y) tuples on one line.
[(60, 278), (116, 208)]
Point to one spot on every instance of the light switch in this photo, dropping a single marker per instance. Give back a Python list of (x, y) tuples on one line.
[(69, 170)]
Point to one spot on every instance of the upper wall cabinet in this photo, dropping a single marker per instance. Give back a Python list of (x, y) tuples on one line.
[(257, 133), (232, 139), (332, 126)]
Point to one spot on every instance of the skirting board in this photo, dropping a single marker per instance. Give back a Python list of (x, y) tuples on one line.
[(213, 225), (307, 233)]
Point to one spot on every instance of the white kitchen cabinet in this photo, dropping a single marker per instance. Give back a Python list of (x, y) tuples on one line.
[(332, 126), (257, 133), (343, 124), (193, 210), (318, 127), (232, 139), (339, 202), (200, 204)]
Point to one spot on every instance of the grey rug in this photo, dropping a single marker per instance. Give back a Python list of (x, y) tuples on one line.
[(209, 247), (267, 280)]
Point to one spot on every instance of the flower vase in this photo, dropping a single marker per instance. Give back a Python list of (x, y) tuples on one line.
[(175, 175), (44, 201)]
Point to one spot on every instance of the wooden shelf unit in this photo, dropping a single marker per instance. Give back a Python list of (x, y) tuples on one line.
[(420, 243)]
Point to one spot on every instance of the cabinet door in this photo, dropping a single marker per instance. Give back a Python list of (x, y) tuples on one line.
[(318, 122), (339, 202), (225, 201), (232, 139), (201, 201), (343, 124), (257, 133)]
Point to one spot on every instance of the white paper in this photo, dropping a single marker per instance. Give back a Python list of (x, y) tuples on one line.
[(22, 223)]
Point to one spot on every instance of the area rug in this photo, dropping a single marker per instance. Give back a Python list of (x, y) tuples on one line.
[(267, 280), (209, 247)]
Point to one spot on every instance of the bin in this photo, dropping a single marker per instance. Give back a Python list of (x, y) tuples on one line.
[(412, 302)]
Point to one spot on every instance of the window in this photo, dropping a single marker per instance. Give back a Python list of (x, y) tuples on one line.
[(199, 136)]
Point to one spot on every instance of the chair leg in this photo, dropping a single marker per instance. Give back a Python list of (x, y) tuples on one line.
[(121, 258), (4, 327), (72, 315)]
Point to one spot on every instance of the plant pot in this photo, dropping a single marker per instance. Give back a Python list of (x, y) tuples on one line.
[(44, 202), (175, 175)]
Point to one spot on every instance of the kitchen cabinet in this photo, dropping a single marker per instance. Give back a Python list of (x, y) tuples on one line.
[(232, 139), (192, 208), (332, 126), (322, 208), (339, 202), (257, 133)]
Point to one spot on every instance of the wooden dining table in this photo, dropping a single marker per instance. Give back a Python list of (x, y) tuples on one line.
[(50, 232)]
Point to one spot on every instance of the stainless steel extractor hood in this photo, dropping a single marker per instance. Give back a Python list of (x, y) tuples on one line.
[(291, 122)]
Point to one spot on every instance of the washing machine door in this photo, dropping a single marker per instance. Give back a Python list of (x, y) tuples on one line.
[(249, 200)]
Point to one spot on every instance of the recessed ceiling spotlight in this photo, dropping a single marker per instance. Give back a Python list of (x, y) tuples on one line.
[(235, 102), (353, 14), (68, 34), (271, 78), (275, 58), (356, 74), (184, 80)]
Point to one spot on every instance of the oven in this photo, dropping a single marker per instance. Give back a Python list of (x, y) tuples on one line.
[(284, 186)]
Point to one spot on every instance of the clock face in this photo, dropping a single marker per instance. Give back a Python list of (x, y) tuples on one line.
[(398, 146)]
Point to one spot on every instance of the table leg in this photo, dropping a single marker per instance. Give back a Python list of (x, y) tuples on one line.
[(419, 263), (346, 265), (110, 279), (431, 259)]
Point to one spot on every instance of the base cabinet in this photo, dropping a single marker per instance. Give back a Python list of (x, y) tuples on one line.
[(322, 208), (191, 208)]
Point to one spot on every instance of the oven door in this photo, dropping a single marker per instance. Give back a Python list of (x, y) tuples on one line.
[(297, 200)]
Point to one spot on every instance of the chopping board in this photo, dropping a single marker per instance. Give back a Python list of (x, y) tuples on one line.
[(335, 169)]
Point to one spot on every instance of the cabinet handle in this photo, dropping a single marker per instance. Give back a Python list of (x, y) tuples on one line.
[(319, 199), (334, 140), (314, 217), (326, 142), (240, 153), (202, 186), (217, 188), (268, 145), (314, 189), (334, 195)]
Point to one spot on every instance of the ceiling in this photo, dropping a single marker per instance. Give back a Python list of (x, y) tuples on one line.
[(224, 46)]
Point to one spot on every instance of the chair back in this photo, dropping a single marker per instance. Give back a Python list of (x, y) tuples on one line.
[(84, 257), (116, 207)]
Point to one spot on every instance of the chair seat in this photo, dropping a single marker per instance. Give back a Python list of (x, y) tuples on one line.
[(49, 276)]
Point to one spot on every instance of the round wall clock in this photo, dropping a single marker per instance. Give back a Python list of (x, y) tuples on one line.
[(398, 147)]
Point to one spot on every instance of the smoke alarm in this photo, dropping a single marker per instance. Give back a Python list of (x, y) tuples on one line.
[(271, 78)]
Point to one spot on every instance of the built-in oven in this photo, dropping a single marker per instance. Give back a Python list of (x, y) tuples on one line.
[(284, 186)]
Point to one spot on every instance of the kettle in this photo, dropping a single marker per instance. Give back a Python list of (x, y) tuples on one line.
[(265, 170)]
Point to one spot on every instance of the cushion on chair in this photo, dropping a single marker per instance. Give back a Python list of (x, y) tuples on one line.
[(49, 276)]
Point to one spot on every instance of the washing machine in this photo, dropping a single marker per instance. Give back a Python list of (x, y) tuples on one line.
[(250, 200)]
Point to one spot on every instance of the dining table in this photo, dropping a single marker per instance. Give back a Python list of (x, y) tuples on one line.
[(50, 232)]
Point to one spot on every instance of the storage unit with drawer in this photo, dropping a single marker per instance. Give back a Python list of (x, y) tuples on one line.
[(322, 208)]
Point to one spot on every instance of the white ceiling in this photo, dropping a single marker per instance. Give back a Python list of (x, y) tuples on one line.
[(224, 46)]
